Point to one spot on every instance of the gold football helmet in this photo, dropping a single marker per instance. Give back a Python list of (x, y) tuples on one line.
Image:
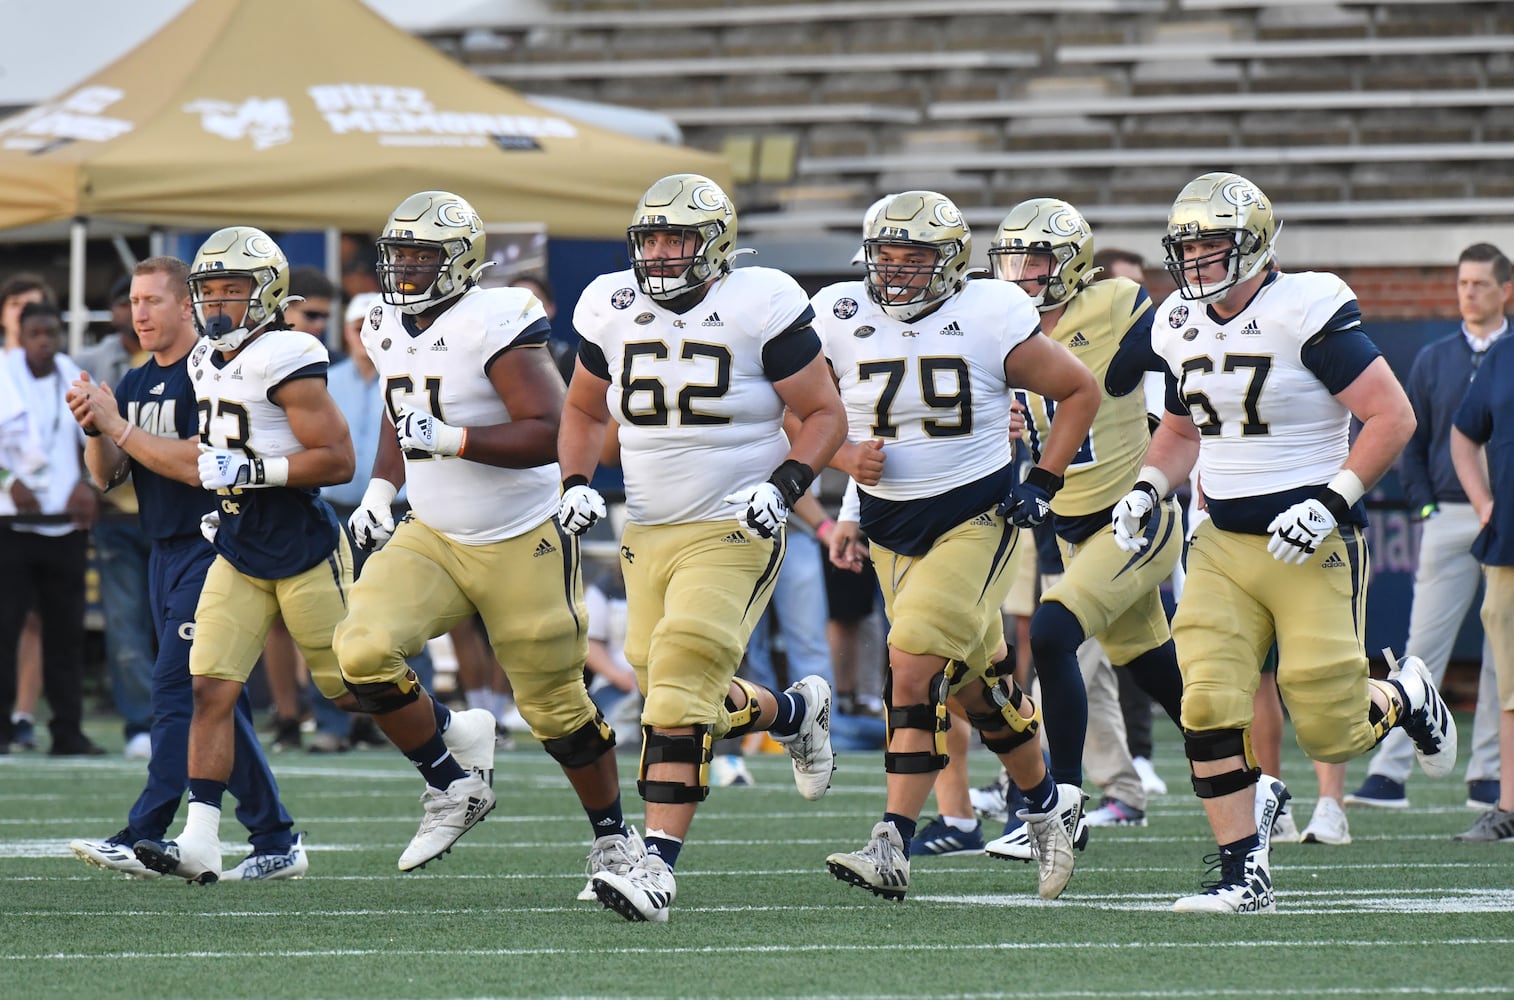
[(1219, 206), (694, 207), (432, 249), (868, 218), (1054, 231), (238, 252), (918, 221)]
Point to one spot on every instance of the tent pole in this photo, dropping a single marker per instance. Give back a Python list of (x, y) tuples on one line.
[(334, 256), (78, 316)]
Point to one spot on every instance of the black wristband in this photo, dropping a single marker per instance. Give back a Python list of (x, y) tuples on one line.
[(257, 472), (1048, 481), (1146, 487), (91, 432), (1334, 503), (572, 481), (792, 478)]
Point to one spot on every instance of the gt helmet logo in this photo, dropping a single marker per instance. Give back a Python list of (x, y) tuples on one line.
[(259, 245), (1241, 193), (454, 214), (708, 197), (1064, 223)]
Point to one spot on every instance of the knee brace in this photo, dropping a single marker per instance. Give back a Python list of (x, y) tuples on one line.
[(743, 717), (930, 716), (384, 697), (1007, 698), (665, 748), (1218, 744), (584, 745)]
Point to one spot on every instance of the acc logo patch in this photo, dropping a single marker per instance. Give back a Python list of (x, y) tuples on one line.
[(863, 332), (644, 318), (375, 317), (1191, 333), (1177, 317), (623, 298), (845, 308)]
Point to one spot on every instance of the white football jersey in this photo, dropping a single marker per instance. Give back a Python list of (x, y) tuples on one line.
[(699, 418), (933, 390), (1267, 423), (233, 396), (441, 370)]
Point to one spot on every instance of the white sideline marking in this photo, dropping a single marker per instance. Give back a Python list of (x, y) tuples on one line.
[(773, 949), (1327, 901)]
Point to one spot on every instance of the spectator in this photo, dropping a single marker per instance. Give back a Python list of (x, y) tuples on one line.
[(1117, 263), (122, 549), (564, 345), (16, 293), (1482, 449), (312, 313), (44, 563), (1448, 576)]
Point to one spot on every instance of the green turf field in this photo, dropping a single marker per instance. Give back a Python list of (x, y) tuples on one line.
[(1402, 911)]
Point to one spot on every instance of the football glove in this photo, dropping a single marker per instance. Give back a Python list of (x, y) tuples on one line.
[(373, 523), (765, 509), (221, 469), (209, 525), (1029, 500), (1298, 531), (420, 431), (581, 506), (1131, 515)]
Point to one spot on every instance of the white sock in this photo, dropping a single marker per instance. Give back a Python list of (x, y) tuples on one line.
[(958, 823), (202, 821)]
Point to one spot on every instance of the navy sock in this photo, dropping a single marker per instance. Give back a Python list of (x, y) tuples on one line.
[(790, 713), (664, 847), (904, 825), (608, 820), (443, 715), (1055, 635), (434, 761), (1156, 672), (1041, 798), (207, 791), (1241, 848)]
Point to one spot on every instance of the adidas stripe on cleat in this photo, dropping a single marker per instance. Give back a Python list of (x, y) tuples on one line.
[(881, 867), (450, 813), (645, 893), (1426, 718)]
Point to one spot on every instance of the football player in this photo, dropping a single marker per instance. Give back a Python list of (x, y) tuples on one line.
[(1265, 370), (696, 363), (471, 399), (270, 436), (146, 428), (926, 362), (1045, 246)]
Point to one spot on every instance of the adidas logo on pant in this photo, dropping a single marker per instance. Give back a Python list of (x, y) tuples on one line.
[(543, 548)]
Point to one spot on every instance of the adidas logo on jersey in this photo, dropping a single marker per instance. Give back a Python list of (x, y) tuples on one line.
[(236, 373), (736, 538), (1078, 340), (156, 390), (440, 345), (1251, 329), (713, 319), (1333, 561), (543, 548), (950, 330)]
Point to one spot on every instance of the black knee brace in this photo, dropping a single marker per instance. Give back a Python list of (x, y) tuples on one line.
[(667, 748), (931, 717), (385, 696), (583, 746), (1006, 697), (743, 717), (1218, 744)]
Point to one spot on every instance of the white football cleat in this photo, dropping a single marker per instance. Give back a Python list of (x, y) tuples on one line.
[(1150, 780), (810, 747), (1052, 835), (1426, 718), (1244, 886), (1328, 825), (450, 813), (114, 855), (471, 738), (1271, 796), (268, 866), (614, 854), (188, 858), (645, 892), (880, 867)]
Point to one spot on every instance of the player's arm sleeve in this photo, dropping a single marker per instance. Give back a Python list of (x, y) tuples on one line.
[(792, 349), (308, 359), (1340, 351), (1135, 356), (1172, 398)]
